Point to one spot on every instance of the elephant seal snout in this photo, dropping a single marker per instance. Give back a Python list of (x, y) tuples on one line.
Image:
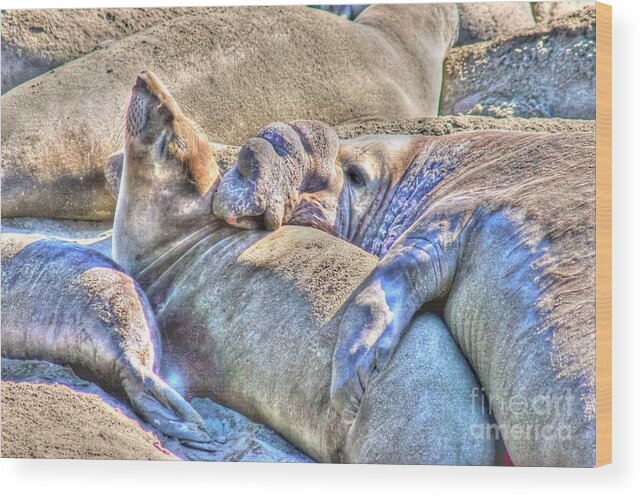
[(277, 175)]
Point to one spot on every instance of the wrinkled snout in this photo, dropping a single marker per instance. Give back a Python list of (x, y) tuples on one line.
[(288, 170), (255, 192), (235, 201)]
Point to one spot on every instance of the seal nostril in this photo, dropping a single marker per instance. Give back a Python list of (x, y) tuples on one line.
[(140, 83)]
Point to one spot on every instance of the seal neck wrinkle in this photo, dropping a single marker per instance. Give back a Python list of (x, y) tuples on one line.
[(159, 212)]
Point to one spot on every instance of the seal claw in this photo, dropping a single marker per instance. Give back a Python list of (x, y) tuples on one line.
[(163, 408)]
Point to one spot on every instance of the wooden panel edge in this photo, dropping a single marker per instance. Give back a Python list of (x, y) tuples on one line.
[(603, 234)]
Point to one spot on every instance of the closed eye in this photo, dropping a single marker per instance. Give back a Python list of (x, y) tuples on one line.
[(161, 146)]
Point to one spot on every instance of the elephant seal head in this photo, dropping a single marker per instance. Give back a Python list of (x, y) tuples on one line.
[(374, 167), (155, 124), (301, 174), (169, 175), (285, 174)]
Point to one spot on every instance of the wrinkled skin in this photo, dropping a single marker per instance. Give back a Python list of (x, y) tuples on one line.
[(250, 318), (296, 161), (71, 305), (498, 225)]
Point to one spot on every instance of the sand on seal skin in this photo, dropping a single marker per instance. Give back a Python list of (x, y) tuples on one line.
[(48, 421), (35, 41), (443, 125)]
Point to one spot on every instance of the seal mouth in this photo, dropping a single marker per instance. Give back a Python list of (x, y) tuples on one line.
[(227, 209), (344, 218), (246, 222)]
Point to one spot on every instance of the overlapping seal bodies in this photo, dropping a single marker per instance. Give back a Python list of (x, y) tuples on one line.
[(254, 65), (498, 225), (69, 304), (251, 318)]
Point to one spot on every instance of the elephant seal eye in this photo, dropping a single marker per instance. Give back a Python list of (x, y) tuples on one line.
[(355, 177)]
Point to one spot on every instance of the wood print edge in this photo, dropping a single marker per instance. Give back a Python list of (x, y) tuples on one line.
[(603, 234)]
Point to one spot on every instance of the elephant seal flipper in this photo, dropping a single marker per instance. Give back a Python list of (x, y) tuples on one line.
[(68, 304), (162, 407), (510, 249)]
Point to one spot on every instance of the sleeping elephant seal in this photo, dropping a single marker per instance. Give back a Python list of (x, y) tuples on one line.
[(68, 304), (254, 65), (499, 225), (250, 318)]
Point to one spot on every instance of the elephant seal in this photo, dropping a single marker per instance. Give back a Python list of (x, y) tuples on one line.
[(347, 11), (498, 225), (68, 304), (250, 318), (547, 11), (265, 63), (479, 21), (35, 41)]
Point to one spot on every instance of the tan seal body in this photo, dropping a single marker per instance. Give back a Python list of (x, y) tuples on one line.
[(71, 305), (254, 65), (545, 71), (497, 225), (501, 225), (481, 21), (35, 41), (251, 318)]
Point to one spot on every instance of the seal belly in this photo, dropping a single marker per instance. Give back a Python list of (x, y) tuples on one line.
[(267, 319), (505, 310)]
